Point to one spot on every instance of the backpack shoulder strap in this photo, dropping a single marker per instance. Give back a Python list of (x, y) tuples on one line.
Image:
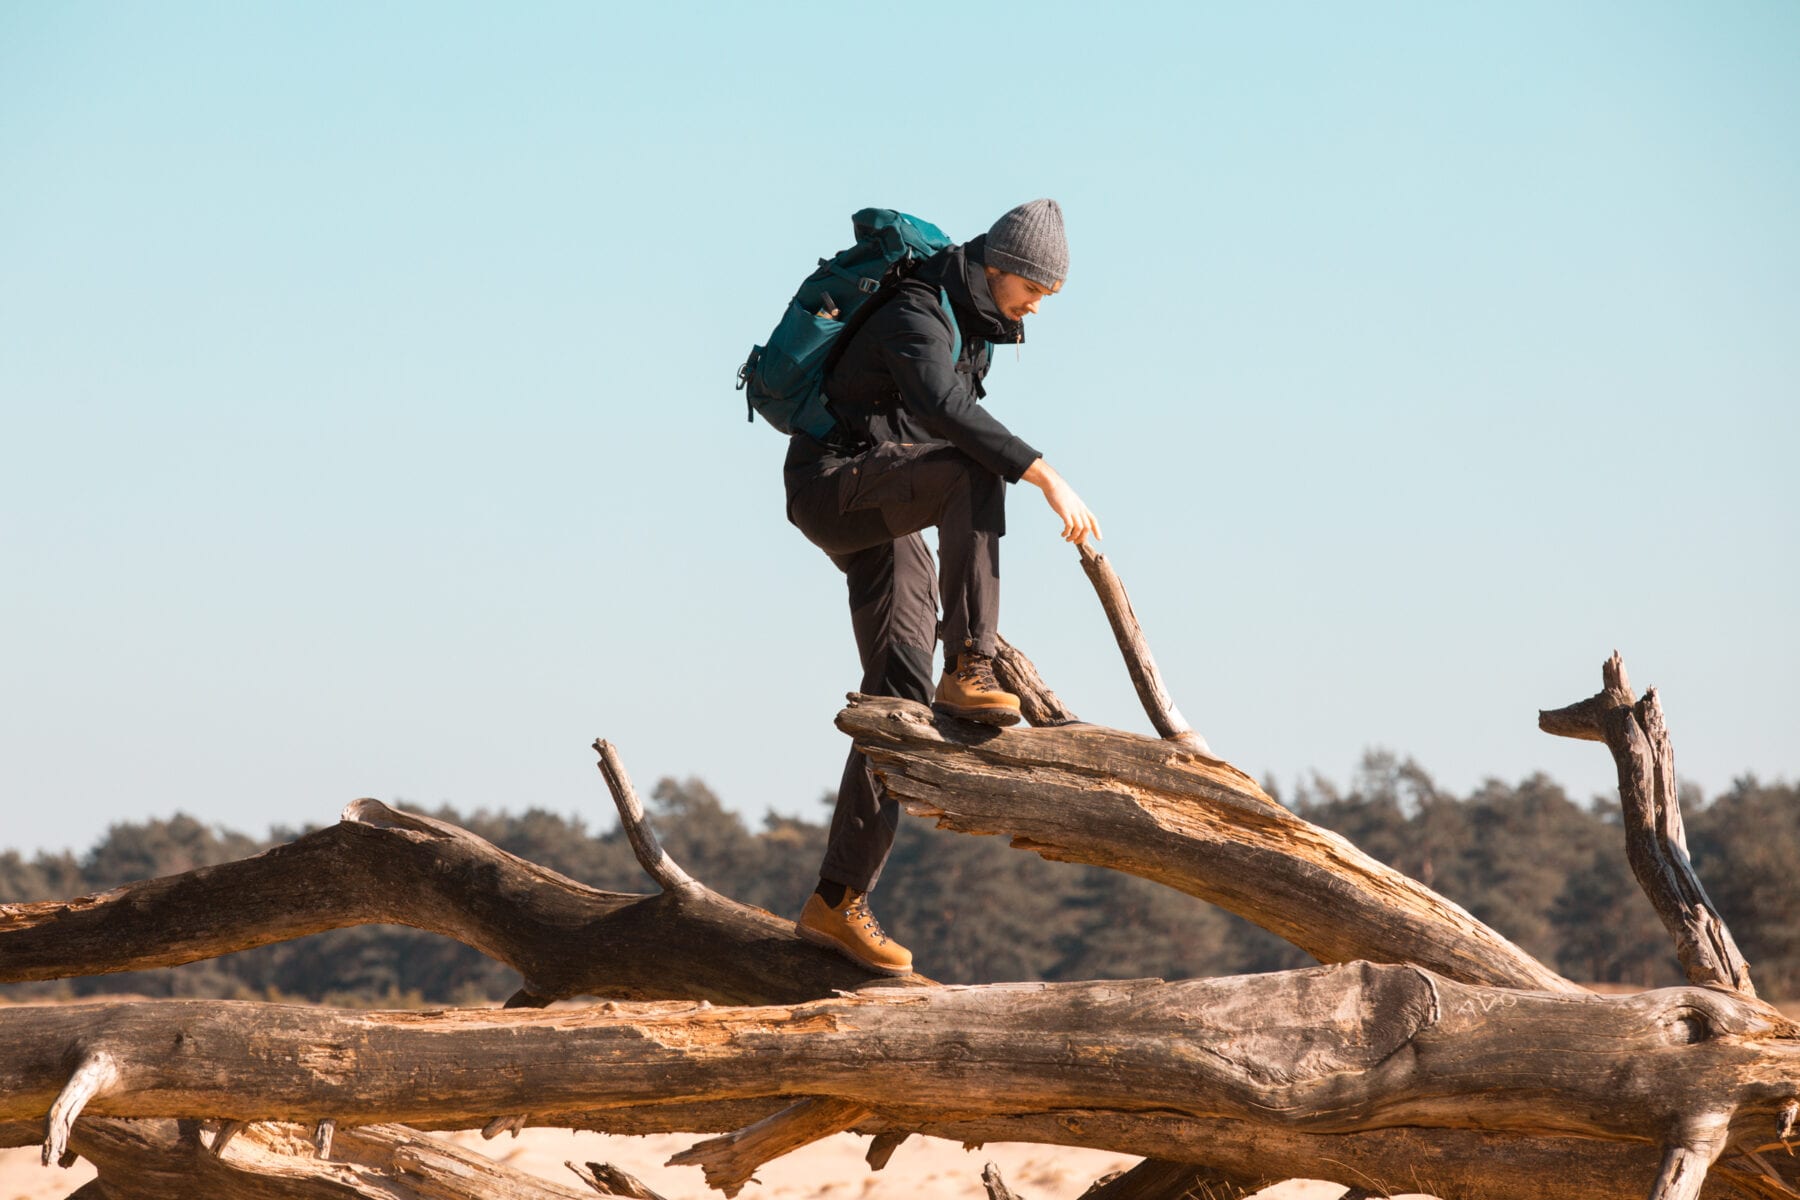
[(889, 289), (955, 329)]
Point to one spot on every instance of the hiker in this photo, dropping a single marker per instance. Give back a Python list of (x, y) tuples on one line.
[(913, 448)]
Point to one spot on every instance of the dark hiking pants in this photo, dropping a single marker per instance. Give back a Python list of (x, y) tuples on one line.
[(867, 516)]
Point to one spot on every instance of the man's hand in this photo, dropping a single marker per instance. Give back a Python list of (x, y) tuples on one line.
[(1078, 520)]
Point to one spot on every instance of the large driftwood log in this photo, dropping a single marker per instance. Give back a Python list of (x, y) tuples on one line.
[(1081, 793), (1172, 814), (1345, 1049), (1611, 1119), (379, 865)]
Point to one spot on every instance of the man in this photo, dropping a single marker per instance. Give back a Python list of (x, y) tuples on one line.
[(914, 448)]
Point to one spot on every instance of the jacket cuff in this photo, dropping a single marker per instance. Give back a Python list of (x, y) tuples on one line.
[(1016, 454)]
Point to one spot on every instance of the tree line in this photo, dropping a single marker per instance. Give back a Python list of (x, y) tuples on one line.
[(1545, 871)]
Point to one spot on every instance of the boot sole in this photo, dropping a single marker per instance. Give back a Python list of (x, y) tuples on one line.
[(998, 717), (831, 943)]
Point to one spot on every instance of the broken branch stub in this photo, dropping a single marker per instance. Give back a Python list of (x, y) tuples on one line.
[(881, 1149), (730, 1160), (650, 855), (609, 1180), (1037, 703), (97, 1075)]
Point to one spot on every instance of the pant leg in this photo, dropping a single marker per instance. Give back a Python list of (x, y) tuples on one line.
[(894, 616), (895, 489), (867, 516), (967, 504)]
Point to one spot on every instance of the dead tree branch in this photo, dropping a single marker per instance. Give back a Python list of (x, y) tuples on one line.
[(379, 865), (731, 1160), (1170, 814), (167, 1160), (609, 1180), (1655, 841), (1039, 705), (650, 855), (1152, 693)]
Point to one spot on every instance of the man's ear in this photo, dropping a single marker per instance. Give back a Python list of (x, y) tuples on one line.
[(990, 272)]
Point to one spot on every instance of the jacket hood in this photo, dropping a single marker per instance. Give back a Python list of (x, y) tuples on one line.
[(959, 271)]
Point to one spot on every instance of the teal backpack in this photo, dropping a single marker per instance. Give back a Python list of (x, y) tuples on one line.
[(784, 380)]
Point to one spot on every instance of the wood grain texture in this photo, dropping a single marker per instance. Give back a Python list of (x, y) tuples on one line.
[(1336, 1049), (730, 1160), (1485, 1075), (1655, 840), (1037, 703), (1168, 813), (379, 865), (1153, 694)]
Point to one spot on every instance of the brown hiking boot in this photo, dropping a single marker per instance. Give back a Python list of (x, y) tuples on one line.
[(972, 693), (852, 930)]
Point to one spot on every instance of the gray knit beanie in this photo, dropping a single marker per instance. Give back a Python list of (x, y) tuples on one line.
[(1029, 241)]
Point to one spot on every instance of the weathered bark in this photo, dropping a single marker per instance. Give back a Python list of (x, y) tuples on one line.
[(1454, 1164), (995, 1184), (729, 1161), (1331, 1050), (378, 865), (1655, 841), (657, 864), (160, 1159), (1352, 1073), (1037, 703), (881, 1149), (1171, 814), (1159, 706), (609, 1180), (1157, 1180)]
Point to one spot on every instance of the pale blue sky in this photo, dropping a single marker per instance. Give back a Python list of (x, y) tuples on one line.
[(366, 374)]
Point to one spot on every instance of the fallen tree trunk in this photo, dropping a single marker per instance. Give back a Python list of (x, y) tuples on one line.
[(1332, 1050), (1169, 813), (381, 866), (1345, 1071)]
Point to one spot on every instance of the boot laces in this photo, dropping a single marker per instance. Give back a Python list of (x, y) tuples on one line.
[(857, 913), (978, 670)]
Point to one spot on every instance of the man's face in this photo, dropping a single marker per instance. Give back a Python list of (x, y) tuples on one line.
[(1016, 296)]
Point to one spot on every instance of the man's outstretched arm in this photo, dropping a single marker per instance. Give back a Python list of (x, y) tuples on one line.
[(1078, 519)]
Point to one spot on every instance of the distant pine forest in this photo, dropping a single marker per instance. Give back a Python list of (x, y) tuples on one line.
[(1546, 871)]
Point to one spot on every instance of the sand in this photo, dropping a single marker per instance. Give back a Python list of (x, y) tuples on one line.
[(829, 1170)]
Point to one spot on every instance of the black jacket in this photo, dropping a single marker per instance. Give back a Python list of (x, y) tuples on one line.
[(896, 381)]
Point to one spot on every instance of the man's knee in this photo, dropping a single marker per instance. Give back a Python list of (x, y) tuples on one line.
[(903, 672)]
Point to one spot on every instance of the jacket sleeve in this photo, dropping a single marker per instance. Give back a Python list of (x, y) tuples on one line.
[(916, 352)]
